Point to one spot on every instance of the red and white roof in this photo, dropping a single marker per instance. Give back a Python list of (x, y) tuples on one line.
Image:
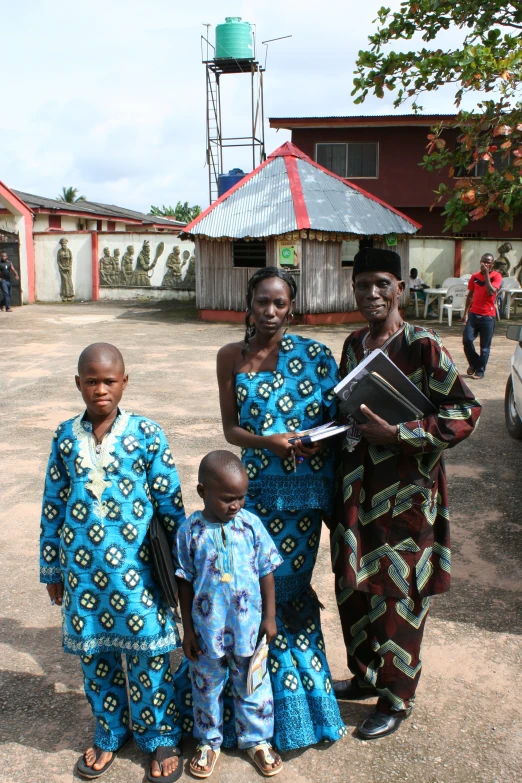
[(290, 192)]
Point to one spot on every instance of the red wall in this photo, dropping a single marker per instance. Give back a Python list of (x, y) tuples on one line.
[(402, 183)]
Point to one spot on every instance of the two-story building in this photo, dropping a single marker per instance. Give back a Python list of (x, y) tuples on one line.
[(382, 154)]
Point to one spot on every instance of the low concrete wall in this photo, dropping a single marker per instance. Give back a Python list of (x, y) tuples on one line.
[(47, 274), (132, 292)]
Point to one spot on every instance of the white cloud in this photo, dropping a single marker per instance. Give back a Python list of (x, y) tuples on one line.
[(110, 96)]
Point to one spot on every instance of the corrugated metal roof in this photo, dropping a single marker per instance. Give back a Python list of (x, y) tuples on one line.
[(334, 205), (94, 208), (261, 206), (291, 192)]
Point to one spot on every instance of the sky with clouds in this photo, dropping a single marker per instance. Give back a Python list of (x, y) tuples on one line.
[(110, 96)]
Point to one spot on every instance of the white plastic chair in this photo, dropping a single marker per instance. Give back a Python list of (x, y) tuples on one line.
[(465, 278), (511, 282), (457, 294), (451, 281)]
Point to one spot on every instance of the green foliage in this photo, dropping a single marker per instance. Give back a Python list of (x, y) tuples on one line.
[(181, 212), (69, 195), (488, 61)]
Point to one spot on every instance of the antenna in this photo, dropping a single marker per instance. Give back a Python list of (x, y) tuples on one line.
[(270, 40)]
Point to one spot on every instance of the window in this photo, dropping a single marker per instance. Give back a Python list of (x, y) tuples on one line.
[(55, 221), (111, 225), (249, 253), (352, 160), (481, 167), (99, 225), (348, 252)]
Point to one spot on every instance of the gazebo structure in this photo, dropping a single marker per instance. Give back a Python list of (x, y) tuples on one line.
[(291, 212)]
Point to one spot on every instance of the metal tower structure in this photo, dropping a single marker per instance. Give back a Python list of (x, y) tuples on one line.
[(216, 142)]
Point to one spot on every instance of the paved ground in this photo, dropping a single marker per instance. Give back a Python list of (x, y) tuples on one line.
[(466, 725)]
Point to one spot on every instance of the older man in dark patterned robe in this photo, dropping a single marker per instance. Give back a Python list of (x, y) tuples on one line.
[(390, 538)]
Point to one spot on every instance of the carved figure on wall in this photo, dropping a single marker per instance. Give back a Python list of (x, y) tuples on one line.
[(189, 281), (116, 268), (127, 265), (141, 276), (106, 268), (65, 262), (502, 263), (173, 269)]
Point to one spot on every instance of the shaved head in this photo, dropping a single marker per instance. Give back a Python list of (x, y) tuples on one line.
[(101, 353), (219, 464)]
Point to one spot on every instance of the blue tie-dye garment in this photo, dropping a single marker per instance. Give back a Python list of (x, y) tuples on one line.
[(96, 510), (226, 614)]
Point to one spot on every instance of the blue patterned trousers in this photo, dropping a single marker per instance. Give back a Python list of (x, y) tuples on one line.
[(254, 715), (153, 711)]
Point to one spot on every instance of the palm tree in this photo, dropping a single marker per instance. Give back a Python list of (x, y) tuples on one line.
[(69, 195)]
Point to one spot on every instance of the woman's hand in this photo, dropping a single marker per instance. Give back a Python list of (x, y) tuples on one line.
[(305, 452), (55, 593), (279, 445)]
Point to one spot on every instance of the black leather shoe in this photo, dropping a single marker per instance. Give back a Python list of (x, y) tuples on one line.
[(350, 690), (380, 724)]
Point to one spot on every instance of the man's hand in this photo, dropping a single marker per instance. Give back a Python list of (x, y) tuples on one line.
[(377, 431), (464, 318), (268, 628), (190, 645), (56, 593)]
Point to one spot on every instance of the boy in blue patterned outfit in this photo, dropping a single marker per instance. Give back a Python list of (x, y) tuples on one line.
[(107, 473), (224, 562)]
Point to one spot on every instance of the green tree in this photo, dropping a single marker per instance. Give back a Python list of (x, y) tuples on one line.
[(70, 195), (181, 212), (489, 61)]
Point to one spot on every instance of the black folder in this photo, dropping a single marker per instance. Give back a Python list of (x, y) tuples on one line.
[(163, 563), (381, 398)]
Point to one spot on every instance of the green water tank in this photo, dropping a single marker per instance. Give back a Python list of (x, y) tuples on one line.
[(234, 40)]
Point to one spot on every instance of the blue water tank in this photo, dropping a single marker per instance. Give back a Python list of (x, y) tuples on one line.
[(227, 181)]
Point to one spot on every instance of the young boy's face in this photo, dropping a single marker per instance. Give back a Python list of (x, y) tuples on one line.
[(224, 496), (101, 385)]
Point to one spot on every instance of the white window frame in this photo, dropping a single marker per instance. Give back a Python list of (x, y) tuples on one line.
[(346, 144)]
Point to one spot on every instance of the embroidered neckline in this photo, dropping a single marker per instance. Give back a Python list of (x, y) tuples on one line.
[(97, 462)]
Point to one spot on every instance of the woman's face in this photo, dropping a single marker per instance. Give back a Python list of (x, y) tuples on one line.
[(271, 304)]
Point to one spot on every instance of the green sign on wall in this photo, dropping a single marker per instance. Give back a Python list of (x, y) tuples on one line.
[(287, 256), (391, 240)]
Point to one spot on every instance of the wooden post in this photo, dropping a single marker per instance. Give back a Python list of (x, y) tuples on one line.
[(95, 273)]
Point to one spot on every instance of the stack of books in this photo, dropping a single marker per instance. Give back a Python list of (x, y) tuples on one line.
[(379, 384)]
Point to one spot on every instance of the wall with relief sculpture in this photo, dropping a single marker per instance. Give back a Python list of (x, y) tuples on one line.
[(129, 266)]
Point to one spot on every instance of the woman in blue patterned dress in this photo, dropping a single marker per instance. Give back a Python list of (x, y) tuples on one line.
[(272, 385)]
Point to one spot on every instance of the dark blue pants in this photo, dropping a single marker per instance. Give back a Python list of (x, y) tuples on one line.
[(5, 290), (481, 326)]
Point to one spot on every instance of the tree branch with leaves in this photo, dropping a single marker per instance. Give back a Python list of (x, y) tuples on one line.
[(489, 60), (181, 212)]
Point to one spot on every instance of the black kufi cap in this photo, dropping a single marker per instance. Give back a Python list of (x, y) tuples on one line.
[(375, 259)]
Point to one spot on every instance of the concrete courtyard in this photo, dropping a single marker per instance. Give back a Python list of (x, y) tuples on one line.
[(466, 727)]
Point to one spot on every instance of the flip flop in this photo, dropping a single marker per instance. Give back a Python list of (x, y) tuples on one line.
[(268, 758), (88, 772), (203, 762), (161, 754)]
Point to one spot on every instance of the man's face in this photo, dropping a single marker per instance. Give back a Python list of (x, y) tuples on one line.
[(3, 257), (377, 294), (487, 262)]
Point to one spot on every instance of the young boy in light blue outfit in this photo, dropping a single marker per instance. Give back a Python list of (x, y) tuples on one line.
[(224, 562)]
